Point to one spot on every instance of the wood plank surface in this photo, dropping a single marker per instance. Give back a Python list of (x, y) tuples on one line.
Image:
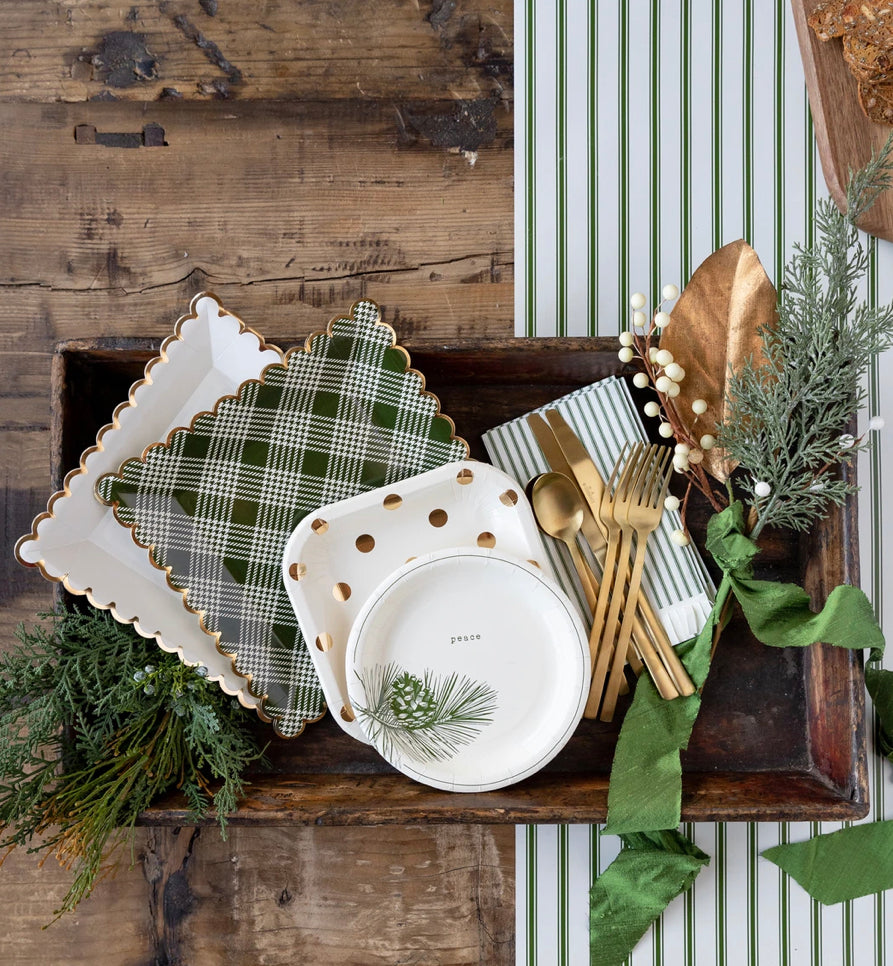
[(296, 897), (290, 157), (319, 205), (144, 50)]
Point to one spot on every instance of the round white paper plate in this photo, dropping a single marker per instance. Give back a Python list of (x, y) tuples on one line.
[(468, 669)]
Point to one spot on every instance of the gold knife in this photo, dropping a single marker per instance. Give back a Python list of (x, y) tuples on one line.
[(592, 486), (582, 469), (548, 443), (590, 527)]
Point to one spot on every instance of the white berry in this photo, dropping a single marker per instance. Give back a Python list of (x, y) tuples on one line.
[(680, 538), (626, 354), (637, 301), (652, 408), (708, 441), (762, 488), (666, 430), (640, 320), (675, 372), (669, 291), (640, 380), (626, 338), (662, 319), (699, 407), (663, 383), (682, 448), (671, 503), (664, 357)]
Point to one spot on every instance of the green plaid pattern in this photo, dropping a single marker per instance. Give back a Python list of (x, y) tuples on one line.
[(217, 504)]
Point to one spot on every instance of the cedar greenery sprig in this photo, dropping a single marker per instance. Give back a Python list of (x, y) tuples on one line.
[(98, 722), (791, 412)]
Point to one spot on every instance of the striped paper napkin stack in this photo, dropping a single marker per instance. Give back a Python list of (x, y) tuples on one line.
[(604, 418)]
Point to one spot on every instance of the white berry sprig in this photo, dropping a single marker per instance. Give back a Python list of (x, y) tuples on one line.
[(661, 371)]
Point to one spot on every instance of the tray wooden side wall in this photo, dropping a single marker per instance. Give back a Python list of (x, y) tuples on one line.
[(781, 735)]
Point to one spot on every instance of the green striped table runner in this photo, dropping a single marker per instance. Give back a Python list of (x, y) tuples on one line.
[(649, 134)]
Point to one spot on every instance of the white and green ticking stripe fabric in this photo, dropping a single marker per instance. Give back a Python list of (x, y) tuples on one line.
[(219, 502), (604, 418), (648, 134)]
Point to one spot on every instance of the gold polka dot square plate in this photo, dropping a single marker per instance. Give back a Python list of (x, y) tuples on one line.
[(339, 554)]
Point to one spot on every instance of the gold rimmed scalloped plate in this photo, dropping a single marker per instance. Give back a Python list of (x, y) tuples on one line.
[(77, 541)]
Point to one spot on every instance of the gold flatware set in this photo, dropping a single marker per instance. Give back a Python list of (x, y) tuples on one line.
[(615, 521)]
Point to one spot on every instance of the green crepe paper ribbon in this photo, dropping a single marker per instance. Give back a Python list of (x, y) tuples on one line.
[(651, 870), (880, 686), (645, 790), (852, 862)]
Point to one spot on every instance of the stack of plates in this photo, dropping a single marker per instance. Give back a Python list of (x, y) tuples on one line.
[(307, 527), (436, 632)]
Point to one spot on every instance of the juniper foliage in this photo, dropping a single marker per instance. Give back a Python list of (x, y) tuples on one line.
[(791, 412), (97, 723)]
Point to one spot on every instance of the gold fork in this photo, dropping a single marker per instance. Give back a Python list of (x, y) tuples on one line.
[(565, 453), (604, 621), (639, 510)]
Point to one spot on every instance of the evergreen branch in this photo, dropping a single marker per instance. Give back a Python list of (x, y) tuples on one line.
[(788, 415), (99, 723), (424, 719), (866, 185)]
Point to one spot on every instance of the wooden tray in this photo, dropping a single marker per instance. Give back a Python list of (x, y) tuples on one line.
[(845, 137), (781, 735)]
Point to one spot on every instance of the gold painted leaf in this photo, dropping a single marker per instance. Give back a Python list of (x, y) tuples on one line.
[(714, 328)]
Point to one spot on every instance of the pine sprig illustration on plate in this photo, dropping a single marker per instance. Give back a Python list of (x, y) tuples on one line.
[(426, 718)]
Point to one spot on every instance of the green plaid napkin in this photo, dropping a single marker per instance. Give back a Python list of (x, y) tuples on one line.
[(217, 503)]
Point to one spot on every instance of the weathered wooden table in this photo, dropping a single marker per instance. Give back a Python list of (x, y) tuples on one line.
[(290, 157)]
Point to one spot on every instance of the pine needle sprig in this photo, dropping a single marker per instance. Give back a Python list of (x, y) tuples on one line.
[(423, 719), (790, 414), (99, 723)]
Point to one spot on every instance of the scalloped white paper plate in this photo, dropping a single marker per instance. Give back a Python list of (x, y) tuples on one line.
[(78, 541), (339, 554), (469, 669)]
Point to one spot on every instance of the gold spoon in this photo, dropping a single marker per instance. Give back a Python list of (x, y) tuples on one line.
[(558, 508), (559, 512)]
